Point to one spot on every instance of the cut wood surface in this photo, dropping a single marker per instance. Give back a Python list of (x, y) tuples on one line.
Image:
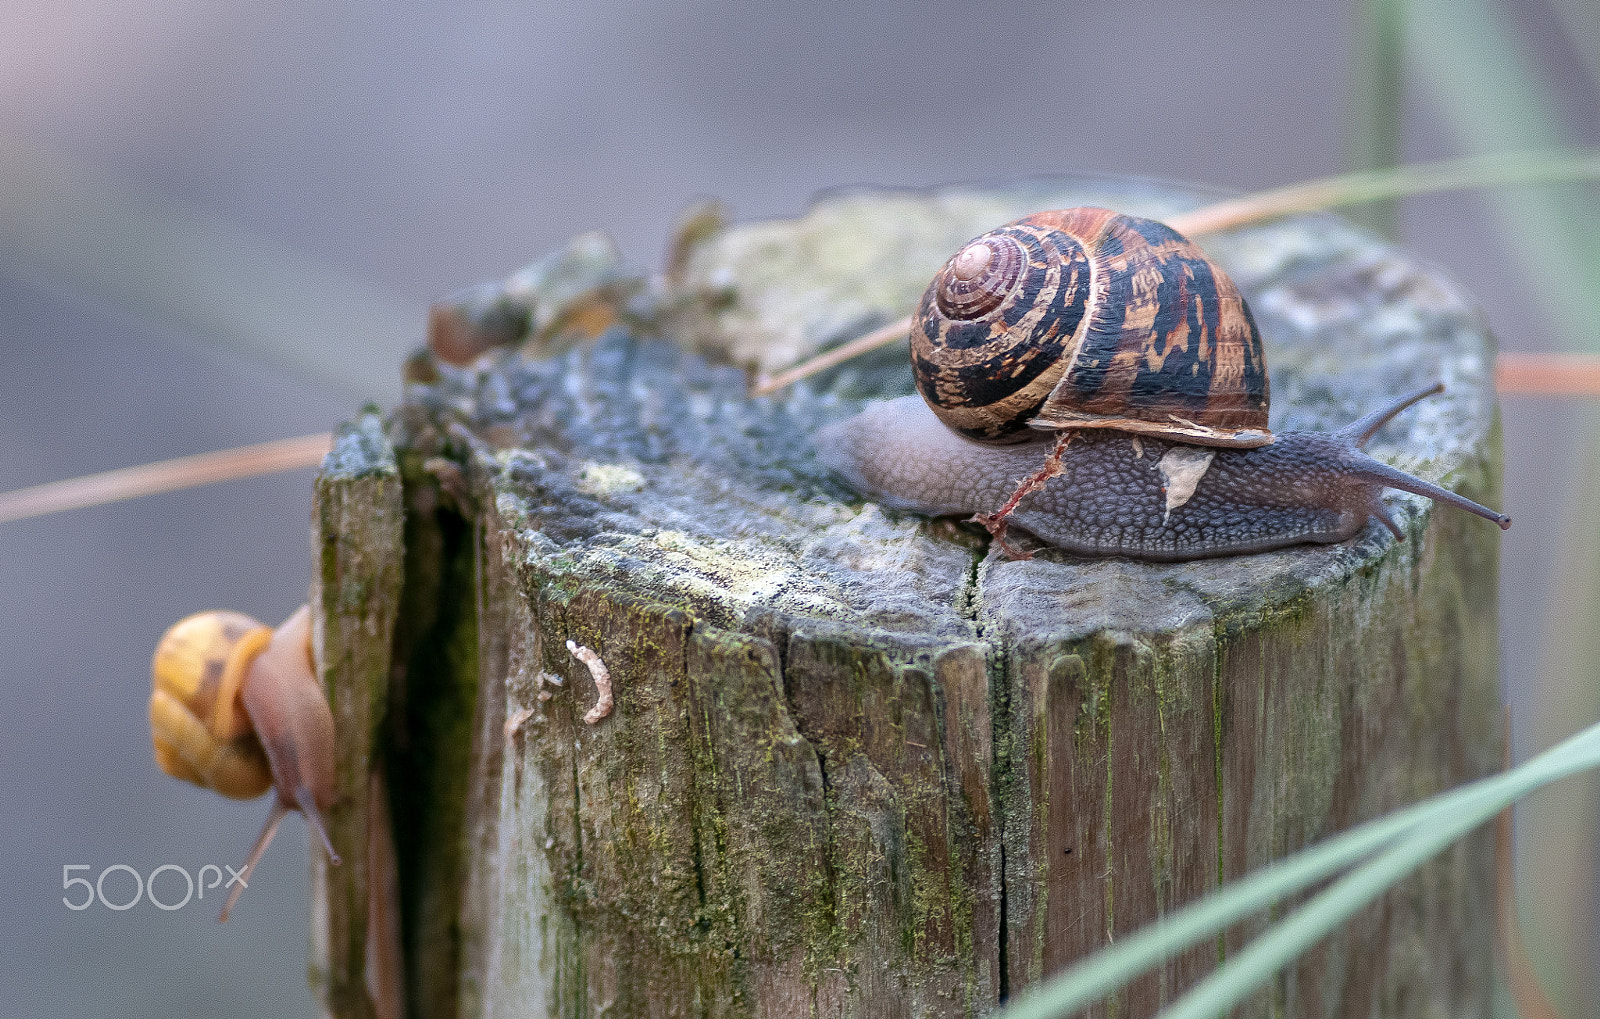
[(857, 764)]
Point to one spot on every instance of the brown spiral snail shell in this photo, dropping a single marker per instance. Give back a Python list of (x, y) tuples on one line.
[(1120, 339), (1085, 318)]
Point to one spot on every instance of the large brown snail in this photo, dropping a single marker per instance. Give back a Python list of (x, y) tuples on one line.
[(1121, 341), (236, 707)]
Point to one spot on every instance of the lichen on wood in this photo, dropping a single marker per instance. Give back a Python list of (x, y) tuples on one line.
[(857, 764), (356, 527)]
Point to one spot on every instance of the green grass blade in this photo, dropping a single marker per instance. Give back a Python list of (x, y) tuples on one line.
[(1491, 93), (65, 227), (1288, 939), (1113, 967), (1375, 100), (1582, 29), (1300, 931)]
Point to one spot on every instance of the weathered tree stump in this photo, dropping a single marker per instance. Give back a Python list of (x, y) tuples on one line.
[(857, 764)]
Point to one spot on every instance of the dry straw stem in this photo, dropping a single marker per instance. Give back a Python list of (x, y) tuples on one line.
[(1534, 374), (1329, 192), (1522, 373), (1545, 374), (1548, 374), (68, 227), (880, 337), (165, 476), (1378, 185)]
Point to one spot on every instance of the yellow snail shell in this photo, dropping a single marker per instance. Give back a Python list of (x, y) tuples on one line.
[(198, 724)]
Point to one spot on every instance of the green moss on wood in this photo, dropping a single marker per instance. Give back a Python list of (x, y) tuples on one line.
[(355, 592)]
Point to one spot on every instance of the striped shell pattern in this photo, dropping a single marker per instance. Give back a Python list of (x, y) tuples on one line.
[(1086, 318)]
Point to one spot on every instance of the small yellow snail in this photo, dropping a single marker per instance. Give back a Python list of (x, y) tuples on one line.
[(1117, 337), (236, 707)]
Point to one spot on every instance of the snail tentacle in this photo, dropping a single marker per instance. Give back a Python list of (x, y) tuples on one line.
[(268, 830)]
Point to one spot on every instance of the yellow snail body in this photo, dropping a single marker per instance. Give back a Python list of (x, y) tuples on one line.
[(236, 707), (1120, 340)]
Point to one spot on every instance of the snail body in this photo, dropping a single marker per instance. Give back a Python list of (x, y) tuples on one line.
[(1123, 342), (1119, 494), (236, 707)]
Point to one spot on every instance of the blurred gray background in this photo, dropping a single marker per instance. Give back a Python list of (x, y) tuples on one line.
[(401, 150)]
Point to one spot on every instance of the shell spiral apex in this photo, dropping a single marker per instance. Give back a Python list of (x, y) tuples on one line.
[(979, 277)]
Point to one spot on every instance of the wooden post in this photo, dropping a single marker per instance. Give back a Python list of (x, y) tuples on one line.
[(857, 765), (354, 602)]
